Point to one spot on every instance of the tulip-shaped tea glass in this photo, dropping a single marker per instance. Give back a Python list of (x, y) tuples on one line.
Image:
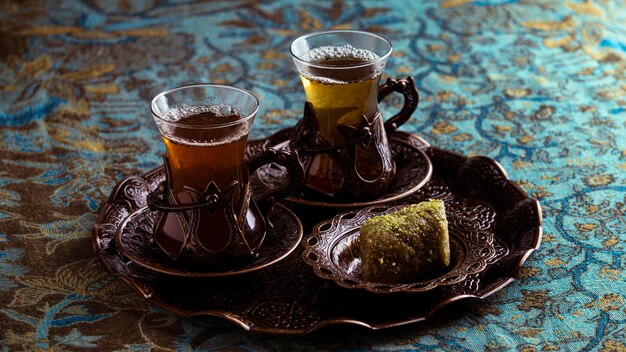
[(207, 213), (342, 137)]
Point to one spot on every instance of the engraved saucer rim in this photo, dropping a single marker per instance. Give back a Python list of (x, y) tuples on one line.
[(379, 201), (246, 269)]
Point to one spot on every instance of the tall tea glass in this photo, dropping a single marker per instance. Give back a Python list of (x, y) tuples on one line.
[(340, 73), (207, 213)]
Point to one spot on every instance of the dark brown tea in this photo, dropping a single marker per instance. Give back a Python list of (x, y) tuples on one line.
[(216, 152), (204, 147)]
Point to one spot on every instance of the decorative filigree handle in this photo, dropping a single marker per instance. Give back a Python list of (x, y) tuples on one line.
[(306, 139), (406, 86), (286, 158), (161, 199)]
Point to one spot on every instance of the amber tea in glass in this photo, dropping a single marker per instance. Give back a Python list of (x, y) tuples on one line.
[(205, 129)]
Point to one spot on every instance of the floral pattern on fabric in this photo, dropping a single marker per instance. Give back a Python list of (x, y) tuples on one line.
[(538, 86)]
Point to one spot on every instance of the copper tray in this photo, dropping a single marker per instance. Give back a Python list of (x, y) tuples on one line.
[(288, 298)]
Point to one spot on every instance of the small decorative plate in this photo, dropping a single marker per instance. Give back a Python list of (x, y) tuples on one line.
[(413, 171), (134, 233), (333, 250)]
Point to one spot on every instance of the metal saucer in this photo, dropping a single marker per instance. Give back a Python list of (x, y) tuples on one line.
[(133, 238), (413, 171)]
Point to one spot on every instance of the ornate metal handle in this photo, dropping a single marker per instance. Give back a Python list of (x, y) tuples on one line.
[(406, 86), (363, 136), (158, 200), (306, 140), (212, 198), (286, 158)]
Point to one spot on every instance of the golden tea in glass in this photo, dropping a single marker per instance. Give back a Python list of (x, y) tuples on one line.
[(340, 72)]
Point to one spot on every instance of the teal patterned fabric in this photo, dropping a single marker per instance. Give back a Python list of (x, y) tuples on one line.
[(537, 85)]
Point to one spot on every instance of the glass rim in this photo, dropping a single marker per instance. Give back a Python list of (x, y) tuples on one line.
[(328, 67), (245, 118)]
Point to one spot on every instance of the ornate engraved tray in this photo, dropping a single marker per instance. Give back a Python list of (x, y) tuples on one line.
[(288, 298)]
